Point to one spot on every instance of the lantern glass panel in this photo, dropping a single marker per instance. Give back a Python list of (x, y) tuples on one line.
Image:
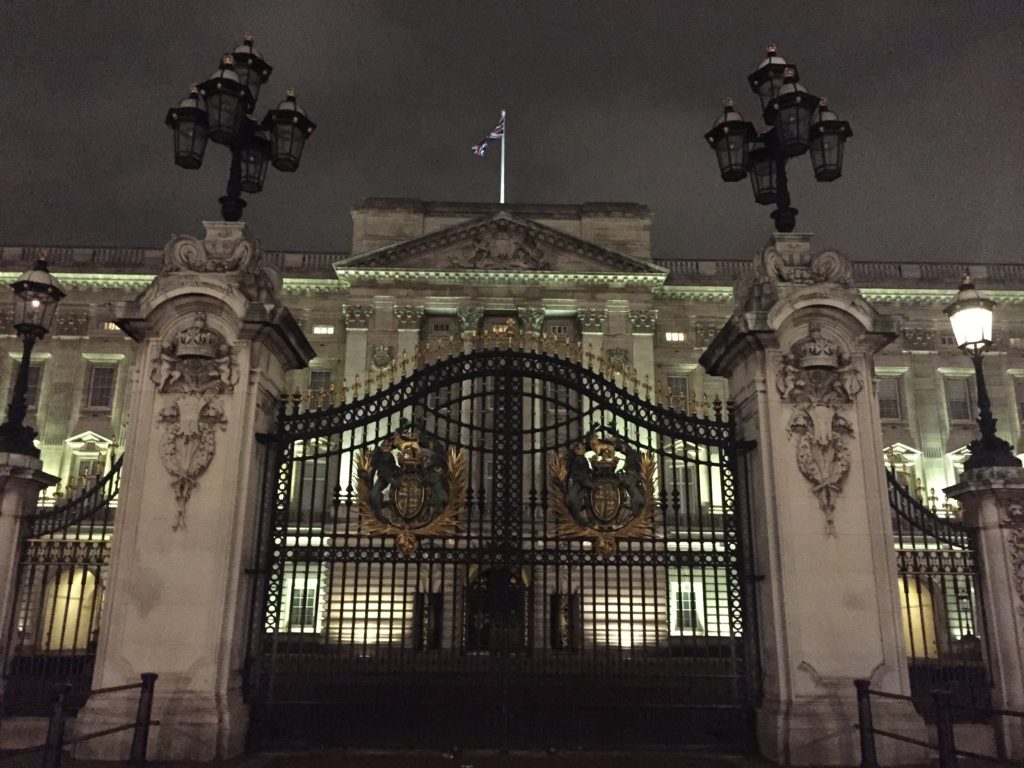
[(794, 126), (731, 149), (972, 326), (762, 177), (827, 155), (33, 310), (769, 88), (249, 78), (189, 142), (225, 110), (288, 140), (255, 158)]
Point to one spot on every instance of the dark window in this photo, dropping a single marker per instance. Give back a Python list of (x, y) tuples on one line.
[(100, 392)]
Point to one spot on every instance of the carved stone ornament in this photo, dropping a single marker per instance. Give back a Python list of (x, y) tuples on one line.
[(358, 315), (618, 357), (819, 381), (1012, 514), (194, 370), (592, 320), (505, 250), (643, 320), (603, 489), (788, 262), (409, 317), (227, 247), (919, 338), (410, 486), (381, 356), (531, 318)]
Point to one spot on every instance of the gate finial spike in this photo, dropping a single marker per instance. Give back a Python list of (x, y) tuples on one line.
[(647, 386), (356, 387), (717, 406)]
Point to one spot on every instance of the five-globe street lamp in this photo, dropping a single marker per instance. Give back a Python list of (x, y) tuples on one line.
[(36, 295), (797, 122), (970, 314), (220, 110)]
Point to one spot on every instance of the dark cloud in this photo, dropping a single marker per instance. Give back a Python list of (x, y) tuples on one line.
[(606, 100)]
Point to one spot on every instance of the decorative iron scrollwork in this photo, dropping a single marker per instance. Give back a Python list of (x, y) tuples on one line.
[(603, 489), (410, 486)]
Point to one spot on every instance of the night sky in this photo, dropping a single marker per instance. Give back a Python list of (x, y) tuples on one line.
[(607, 101)]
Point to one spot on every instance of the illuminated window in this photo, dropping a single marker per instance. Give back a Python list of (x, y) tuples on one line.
[(890, 401), (110, 325), (100, 388), (675, 336), (323, 330), (699, 603), (960, 403), (301, 598)]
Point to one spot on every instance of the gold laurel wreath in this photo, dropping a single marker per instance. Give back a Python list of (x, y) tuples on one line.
[(641, 526), (447, 521)]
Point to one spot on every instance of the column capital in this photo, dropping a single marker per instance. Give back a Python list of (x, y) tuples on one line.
[(469, 318), (592, 320), (643, 320), (531, 318), (358, 316), (409, 317)]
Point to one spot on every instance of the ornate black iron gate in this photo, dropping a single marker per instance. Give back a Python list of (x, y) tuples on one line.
[(503, 548)]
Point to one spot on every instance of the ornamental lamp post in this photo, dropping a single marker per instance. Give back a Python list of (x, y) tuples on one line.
[(36, 295), (220, 110), (796, 121), (970, 314)]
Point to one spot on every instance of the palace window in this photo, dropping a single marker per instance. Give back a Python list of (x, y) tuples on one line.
[(301, 598), (35, 380), (960, 401), (440, 326), (323, 330), (558, 396), (675, 336), (699, 603), (890, 399), (319, 380), (679, 386), (100, 387), (1018, 391)]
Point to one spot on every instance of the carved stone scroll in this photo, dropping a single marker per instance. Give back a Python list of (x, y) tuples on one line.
[(592, 320), (531, 318), (643, 320), (819, 381), (358, 316)]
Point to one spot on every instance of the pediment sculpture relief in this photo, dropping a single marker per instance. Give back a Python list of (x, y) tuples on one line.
[(818, 379), (504, 251), (194, 370)]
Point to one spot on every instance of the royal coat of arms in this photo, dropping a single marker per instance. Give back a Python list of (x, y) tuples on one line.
[(411, 486), (602, 489)]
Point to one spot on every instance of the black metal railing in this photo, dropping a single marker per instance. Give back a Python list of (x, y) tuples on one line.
[(52, 750), (940, 601), (944, 712), (62, 569)]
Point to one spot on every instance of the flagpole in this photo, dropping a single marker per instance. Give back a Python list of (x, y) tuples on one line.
[(504, 138)]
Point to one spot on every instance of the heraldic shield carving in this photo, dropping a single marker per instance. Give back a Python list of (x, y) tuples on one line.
[(411, 486), (602, 489)]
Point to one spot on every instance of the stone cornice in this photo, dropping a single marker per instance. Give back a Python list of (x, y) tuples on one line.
[(301, 286), (94, 281), (486, 277)]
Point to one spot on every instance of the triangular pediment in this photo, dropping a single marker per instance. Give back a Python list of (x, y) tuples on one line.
[(498, 244)]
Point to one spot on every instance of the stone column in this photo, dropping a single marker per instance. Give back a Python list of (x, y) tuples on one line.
[(799, 355), (531, 320), (592, 327), (408, 319), (21, 480), (993, 503), (642, 322), (357, 326), (216, 343)]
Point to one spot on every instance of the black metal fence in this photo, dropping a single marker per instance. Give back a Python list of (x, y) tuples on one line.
[(52, 750), (62, 574), (940, 601), (944, 713), (516, 620)]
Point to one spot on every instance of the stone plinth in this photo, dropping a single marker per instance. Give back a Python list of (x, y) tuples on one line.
[(799, 355), (993, 504), (216, 343)]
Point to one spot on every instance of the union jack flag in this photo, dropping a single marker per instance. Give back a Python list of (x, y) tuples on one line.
[(498, 132)]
